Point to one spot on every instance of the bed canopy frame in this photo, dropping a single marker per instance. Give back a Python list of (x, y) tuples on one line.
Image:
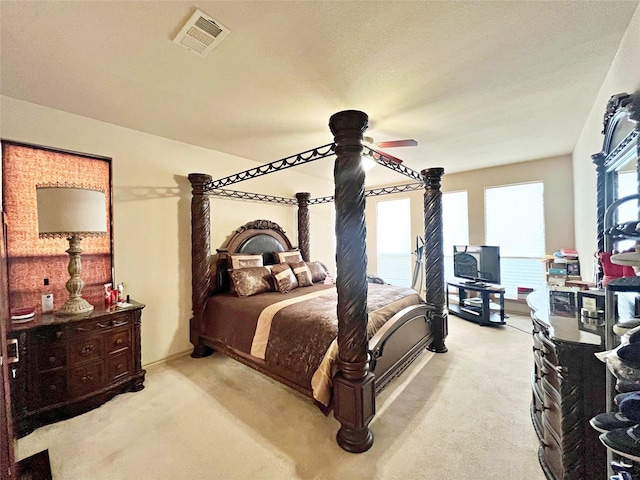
[(354, 389)]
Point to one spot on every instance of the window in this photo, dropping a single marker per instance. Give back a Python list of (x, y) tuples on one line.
[(394, 241), (628, 211), (514, 220), (455, 226)]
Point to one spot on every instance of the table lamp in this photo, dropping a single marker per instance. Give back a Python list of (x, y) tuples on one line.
[(72, 212)]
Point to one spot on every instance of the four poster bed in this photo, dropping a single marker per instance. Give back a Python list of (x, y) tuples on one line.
[(263, 302)]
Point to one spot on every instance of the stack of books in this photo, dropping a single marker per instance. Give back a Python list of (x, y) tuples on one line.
[(563, 266)]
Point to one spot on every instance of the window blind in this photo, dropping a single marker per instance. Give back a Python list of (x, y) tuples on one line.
[(455, 226), (514, 220), (393, 237)]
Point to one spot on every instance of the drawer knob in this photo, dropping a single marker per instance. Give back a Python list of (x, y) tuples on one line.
[(86, 350), (119, 341), (119, 366), (52, 359), (86, 378), (58, 333), (80, 329)]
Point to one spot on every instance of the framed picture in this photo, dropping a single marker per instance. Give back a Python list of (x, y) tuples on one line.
[(32, 259)]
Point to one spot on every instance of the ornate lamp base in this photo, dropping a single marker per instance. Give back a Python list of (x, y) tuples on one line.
[(74, 306)]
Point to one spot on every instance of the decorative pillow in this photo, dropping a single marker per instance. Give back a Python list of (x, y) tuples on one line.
[(293, 256), (318, 273), (251, 281), (302, 273), (239, 260), (284, 278)]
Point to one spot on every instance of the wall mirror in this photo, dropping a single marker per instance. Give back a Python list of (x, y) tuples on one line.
[(618, 173)]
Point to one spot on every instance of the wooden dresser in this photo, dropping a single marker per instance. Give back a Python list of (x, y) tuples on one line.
[(569, 388), (69, 365)]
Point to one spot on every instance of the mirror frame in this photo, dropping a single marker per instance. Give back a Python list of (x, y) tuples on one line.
[(622, 114)]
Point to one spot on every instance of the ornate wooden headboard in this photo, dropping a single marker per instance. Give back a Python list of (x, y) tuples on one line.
[(257, 237)]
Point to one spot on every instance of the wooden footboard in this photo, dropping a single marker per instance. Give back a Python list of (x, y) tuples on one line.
[(399, 342)]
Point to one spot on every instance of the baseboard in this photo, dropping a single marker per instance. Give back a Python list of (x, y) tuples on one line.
[(516, 306), (175, 356)]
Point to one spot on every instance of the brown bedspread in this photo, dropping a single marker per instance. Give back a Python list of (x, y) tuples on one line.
[(300, 333)]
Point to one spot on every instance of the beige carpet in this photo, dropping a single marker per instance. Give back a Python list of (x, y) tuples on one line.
[(459, 415)]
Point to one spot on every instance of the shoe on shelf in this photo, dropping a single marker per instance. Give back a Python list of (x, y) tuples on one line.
[(623, 327), (627, 386), (622, 370), (629, 408), (632, 336), (620, 466), (621, 476), (621, 396), (630, 354), (605, 354), (623, 441), (605, 422)]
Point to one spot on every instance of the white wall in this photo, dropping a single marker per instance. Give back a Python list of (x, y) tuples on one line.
[(623, 76), (151, 209)]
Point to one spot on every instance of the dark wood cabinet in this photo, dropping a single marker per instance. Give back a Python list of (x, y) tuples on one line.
[(569, 388), (69, 365)]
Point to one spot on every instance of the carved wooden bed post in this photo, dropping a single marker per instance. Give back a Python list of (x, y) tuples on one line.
[(354, 390), (303, 225), (435, 293), (200, 258)]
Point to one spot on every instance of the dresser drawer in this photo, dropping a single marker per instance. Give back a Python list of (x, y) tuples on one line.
[(51, 387), (552, 415), (537, 407), (45, 335), (549, 349), (86, 379), (551, 375), (553, 457), (537, 341), (118, 366), (85, 350), (51, 355), (118, 339)]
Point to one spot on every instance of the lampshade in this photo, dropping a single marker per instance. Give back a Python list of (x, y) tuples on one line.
[(65, 210)]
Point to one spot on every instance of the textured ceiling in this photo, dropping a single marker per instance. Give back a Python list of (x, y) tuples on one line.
[(477, 83)]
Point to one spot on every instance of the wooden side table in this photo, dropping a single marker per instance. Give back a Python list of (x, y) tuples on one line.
[(69, 365)]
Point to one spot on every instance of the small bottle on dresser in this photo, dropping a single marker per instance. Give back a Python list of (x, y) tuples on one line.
[(47, 297)]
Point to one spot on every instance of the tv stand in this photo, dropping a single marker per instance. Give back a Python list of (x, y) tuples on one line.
[(475, 283), (477, 309)]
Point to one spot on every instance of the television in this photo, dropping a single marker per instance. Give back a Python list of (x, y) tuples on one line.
[(477, 263)]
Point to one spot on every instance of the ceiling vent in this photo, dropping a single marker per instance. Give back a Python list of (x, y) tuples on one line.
[(201, 33)]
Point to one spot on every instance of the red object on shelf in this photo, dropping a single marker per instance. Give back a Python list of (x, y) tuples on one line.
[(19, 312)]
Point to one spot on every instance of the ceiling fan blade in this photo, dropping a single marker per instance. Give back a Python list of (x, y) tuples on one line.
[(397, 143)]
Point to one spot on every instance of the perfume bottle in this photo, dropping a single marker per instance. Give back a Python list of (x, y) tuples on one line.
[(47, 297)]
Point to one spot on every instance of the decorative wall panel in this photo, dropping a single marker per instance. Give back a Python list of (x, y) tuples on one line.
[(31, 258)]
